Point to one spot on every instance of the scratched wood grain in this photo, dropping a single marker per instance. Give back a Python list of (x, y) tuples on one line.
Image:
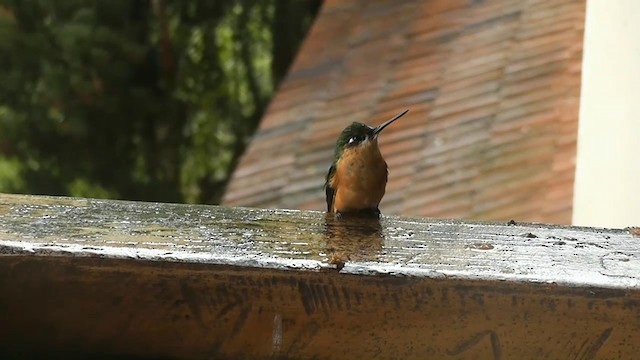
[(108, 279)]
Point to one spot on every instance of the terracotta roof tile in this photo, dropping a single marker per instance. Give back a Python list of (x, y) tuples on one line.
[(493, 88)]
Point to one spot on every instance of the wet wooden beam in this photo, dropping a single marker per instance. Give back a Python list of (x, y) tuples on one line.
[(94, 278)]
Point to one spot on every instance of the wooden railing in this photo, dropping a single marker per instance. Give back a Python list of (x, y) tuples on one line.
[(86, 278)]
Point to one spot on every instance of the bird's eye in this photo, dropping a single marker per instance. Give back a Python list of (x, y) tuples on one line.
[(354, 140)]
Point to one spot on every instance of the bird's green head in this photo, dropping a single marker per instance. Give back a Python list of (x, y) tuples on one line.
[(358, 134)]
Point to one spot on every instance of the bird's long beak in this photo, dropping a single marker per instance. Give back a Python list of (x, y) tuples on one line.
[(379, 128)]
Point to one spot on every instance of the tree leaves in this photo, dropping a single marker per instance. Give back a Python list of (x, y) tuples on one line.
[(137, 99)]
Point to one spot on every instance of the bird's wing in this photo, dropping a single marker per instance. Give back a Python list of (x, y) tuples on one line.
[(329, 191)]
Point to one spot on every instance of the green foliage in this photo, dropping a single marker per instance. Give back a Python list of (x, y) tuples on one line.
[(10, 179), (137, 99)]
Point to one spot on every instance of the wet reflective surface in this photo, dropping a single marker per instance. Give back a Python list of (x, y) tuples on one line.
[(287, 239), (353, 239), (91, 278)]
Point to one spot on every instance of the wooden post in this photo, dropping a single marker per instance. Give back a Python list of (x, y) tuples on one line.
[(106, 279)]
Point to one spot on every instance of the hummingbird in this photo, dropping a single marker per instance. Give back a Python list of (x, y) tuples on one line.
[(358, 176)]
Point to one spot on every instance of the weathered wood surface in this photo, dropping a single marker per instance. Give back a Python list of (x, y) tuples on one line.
[(85, 277)]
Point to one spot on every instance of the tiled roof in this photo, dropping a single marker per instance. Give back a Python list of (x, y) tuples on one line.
[(492, 86)]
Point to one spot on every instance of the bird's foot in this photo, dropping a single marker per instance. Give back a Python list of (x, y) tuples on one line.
[(362, 213)]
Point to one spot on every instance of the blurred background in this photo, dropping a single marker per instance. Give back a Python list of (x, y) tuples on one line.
[(493, 89), (519, 109), (137, 99)]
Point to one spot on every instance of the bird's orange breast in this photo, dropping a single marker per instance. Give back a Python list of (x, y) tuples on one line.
[(360, 178)]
